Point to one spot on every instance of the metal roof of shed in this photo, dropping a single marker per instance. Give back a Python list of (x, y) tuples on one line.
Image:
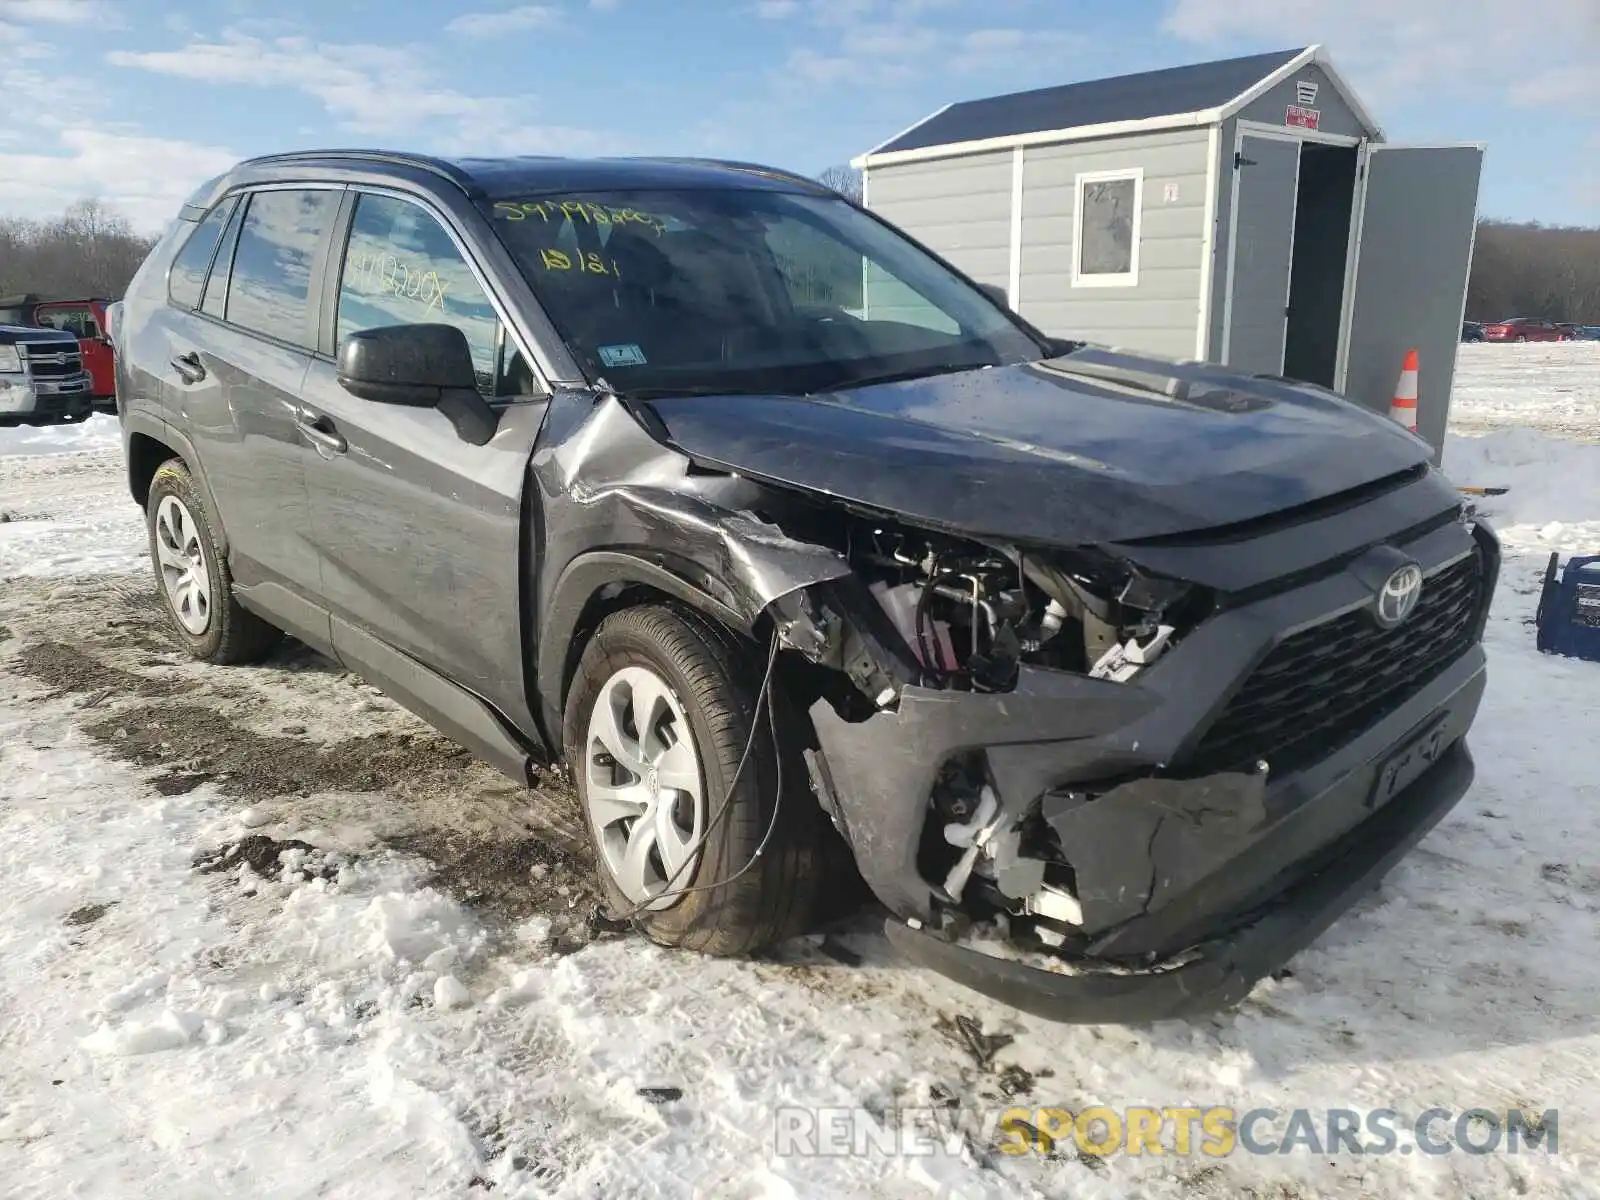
[(1199, 94)]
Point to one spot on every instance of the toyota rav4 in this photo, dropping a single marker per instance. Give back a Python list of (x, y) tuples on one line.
[(1117, 678)]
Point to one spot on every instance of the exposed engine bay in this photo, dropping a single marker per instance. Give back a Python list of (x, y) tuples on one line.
[(926, 610), (965, 616), (971, 615)]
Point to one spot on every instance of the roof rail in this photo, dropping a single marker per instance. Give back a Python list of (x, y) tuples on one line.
[(753, 168), (394, 158)]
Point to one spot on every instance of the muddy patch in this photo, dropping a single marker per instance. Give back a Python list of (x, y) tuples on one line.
[(323, 755), (66, 670), (191, 740), (512, 878), (88, 914), (178, 783)]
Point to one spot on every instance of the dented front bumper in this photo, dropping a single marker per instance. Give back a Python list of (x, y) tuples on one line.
[(1220, 971), (1232, 871)]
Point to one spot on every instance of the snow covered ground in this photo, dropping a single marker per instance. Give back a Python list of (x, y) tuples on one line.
[(1553, 387), (263, 934)]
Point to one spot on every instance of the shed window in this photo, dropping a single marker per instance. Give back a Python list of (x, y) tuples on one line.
[(1106, 251)]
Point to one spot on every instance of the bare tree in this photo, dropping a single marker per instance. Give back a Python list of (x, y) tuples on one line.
[(844, 180), (89, 250), (1533, 270)]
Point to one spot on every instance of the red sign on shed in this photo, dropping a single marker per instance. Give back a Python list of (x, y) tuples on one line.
[(1302, 118)]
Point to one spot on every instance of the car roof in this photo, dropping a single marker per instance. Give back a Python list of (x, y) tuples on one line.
[(506, 177)]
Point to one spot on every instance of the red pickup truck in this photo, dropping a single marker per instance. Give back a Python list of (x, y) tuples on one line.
[(84, 319)]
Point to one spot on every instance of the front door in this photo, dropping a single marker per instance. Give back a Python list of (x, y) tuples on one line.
[(420, 532), (1265, 186), (1418, 210)]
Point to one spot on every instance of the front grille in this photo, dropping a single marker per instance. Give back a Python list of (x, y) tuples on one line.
[(1324, 685), (48, 360)]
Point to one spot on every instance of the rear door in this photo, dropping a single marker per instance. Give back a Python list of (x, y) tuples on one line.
[(1418, 214), (419, 533), (237, 366), (1266, 180)]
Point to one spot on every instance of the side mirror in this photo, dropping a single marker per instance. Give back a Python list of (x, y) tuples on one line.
[(996, 293), (419, 366)]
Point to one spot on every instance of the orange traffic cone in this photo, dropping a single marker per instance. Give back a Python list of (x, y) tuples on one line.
[(1404, 407)]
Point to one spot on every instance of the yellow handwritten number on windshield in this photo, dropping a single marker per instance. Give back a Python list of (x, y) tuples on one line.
[(588, 263), (587, 211)]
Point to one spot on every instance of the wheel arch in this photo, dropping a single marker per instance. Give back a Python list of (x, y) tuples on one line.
[(591, 588), (148, 443)]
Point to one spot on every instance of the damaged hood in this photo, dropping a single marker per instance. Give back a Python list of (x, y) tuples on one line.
[(1093, 446)]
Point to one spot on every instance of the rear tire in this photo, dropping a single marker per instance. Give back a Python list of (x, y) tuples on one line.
[(193, 578), (694, 685)]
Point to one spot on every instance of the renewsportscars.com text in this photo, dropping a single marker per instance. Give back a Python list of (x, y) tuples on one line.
[(1214, 1131)]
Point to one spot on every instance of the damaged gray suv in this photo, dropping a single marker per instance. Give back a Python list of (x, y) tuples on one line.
[(1116, 679)]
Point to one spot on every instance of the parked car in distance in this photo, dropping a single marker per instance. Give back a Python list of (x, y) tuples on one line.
[(1574, 332), (806, 555), (1471, 331), (1523, 329), (86, 321), (42, 380)]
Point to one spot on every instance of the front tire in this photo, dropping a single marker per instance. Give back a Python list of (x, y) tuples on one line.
[(193, 578), (657, 719)]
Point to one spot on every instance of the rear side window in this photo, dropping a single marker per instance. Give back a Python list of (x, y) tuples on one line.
[(188, 274), (270, 289), (216, 296)]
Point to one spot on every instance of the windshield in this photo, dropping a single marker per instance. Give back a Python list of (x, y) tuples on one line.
[(742, 290)]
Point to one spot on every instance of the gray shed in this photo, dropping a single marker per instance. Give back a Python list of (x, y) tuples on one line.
[(1247, 212)]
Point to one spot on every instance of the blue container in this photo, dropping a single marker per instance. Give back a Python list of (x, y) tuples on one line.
[(1569, 609)]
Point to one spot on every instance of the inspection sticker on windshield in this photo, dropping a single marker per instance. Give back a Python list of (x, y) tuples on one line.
[(622, 356)]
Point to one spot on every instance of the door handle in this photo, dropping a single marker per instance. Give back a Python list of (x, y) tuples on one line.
[(189, 367), (319, 431)]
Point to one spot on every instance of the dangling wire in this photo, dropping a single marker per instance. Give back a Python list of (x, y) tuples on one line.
[(763, 698), (920, 623)]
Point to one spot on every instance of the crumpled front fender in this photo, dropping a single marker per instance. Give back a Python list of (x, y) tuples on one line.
[(620, 509)]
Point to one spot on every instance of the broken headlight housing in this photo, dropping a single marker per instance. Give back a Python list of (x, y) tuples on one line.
[(973, 614)]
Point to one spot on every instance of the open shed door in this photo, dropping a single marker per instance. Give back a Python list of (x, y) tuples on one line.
[(1418, 214), (1266, 176)]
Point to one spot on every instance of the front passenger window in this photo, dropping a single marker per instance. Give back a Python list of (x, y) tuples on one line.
[(401, 268)]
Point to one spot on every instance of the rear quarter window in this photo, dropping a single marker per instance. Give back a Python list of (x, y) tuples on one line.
[(188, 275)]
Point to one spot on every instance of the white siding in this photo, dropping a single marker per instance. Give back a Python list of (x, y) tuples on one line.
[(958, 207), (1161, 312)]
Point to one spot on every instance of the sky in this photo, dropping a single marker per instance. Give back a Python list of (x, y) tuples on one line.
[(135, 102)]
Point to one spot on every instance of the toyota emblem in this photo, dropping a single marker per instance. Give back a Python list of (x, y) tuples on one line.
[(1398, 596)]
